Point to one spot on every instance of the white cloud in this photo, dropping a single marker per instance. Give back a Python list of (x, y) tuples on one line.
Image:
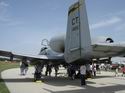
[(3, 11), (121, 27), (5, 18), (106, 23), (3, 4), (118, 13)]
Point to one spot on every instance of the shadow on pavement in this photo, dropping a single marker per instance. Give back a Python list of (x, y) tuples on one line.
[(16, 80), (97, 77), (63, 81), (89, 89), (60, 81)]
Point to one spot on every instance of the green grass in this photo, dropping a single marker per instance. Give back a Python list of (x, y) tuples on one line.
[(5, 66)]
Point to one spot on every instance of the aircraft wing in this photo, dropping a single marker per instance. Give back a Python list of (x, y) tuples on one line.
[(100, 50), (108, 50), (5, 53), (38, 57)]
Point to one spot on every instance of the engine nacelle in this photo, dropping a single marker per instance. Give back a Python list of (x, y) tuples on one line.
[(102, 40), (57, 43)]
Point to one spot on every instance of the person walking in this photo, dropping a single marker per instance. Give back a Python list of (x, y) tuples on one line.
[(83, 73)]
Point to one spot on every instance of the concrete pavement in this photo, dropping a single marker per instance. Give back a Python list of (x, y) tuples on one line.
[(103, 83)]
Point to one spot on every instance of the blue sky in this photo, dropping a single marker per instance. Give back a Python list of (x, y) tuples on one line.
[(24, 23)]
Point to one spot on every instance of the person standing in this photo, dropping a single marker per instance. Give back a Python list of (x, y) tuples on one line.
[(56, 67), (22, 68), (83, 73), (48, 69), (94, 70), (116, 71)]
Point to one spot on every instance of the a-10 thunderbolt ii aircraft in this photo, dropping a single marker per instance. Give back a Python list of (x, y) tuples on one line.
[(76, 46)]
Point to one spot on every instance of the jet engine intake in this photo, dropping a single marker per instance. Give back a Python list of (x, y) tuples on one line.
[(57, 44)]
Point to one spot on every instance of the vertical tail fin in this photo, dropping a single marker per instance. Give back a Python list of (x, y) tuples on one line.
[(78, 41)]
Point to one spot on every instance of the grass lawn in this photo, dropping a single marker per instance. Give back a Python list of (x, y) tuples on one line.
[(4, 66)]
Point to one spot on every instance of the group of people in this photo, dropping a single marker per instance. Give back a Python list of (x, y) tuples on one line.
[(49, 69), (84, 72), (87, 71), (121, 69), (71, 70)]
